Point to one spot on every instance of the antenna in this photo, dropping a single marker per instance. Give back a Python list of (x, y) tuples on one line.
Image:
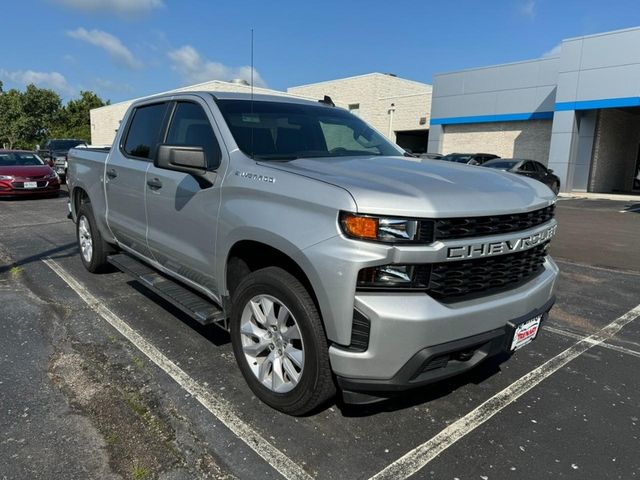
[(252, 66), (252, 92)]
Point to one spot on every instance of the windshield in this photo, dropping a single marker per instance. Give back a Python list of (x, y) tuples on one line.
[(502, 165), (19, 159), (457, 158), (286, 131), (63, 144)]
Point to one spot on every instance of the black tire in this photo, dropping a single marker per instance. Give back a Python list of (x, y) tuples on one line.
[(101, 249), (315, 385)]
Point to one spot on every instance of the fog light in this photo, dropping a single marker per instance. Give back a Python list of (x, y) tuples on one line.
[(394, 276)]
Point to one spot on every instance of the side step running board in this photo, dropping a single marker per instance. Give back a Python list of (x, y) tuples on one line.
[(198, 307)]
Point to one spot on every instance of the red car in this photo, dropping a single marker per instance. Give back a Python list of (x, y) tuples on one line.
[(24, 173)]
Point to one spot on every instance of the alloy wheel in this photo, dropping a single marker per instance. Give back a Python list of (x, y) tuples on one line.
[(272, 343), (85, 239)]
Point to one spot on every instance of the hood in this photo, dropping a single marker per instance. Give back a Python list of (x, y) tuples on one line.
[(408, 187), (26, 171)]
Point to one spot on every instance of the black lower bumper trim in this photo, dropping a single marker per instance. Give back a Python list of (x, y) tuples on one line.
[(438, 362)]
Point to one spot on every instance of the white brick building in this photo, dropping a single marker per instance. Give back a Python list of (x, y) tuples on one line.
[(397, 107)]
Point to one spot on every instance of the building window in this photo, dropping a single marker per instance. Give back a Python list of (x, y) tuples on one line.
[(354, 108)]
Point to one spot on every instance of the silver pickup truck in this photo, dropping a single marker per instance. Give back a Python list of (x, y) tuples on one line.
[(334, 261)]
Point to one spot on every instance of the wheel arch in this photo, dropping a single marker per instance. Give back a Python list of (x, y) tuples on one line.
[(247, 255)]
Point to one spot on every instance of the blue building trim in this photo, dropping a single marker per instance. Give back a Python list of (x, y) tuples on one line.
[(595, 104), (504, 117)]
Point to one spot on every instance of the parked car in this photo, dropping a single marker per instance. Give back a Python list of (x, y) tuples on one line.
[(431, 156), (528, 168), (333, 261), (25, 173), (469, 158), (54, 152)]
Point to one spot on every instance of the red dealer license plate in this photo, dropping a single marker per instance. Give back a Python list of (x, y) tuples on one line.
[(525, 333)]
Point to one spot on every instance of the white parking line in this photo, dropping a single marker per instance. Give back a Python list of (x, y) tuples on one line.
[(420, 456), (576, 336), (217, 406), (593, 267)]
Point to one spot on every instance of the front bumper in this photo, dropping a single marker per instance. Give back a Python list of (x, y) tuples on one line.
[(50, 189), (408, 329)]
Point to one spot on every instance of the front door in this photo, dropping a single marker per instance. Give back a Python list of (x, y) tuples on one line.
[(182, 209), (125, 176)]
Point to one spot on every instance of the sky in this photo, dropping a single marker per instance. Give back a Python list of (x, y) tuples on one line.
[(123, 49)]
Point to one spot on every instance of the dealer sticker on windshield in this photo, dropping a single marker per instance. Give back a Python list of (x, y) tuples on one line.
[(525, 333)]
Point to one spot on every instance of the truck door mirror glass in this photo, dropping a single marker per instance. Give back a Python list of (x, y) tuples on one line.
[(182, 158)]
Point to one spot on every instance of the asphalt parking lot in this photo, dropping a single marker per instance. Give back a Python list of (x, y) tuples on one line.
[(100, 379)]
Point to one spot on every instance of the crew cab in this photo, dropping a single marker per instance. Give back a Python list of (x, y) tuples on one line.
[(334, 261)]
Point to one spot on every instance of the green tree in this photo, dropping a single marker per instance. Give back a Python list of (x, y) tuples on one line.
[(74, 120), (41, 109), (12, 121)]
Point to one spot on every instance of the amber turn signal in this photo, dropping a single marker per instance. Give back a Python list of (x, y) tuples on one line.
[(360, 227)]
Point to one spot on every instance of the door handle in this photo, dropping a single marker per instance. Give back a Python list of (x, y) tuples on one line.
[(154, 184), (112, 173)]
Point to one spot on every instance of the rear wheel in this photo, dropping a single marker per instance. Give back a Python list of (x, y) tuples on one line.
[(93, 249), (279, 342)]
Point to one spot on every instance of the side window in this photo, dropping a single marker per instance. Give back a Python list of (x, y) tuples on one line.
[(343, 137), (526, 167), (191, 127), (539, 167), (145, 130)]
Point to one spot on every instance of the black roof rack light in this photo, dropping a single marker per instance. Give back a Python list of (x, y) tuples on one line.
[(327, 100)]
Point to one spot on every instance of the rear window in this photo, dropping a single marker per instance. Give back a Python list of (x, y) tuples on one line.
[(457, 158), (503, 165), (19, 159), (145, 130)]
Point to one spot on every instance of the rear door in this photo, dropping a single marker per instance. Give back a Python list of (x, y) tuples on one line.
[(182, 209), (126, 175)]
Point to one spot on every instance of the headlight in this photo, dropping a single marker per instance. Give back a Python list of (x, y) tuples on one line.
[(6, 177), (53, 176), (386, 229), (409, 277)]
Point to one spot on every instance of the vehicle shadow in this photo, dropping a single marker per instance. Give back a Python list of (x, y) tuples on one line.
[(427, 393), (632, 208), (214, 334), (70, 248), (399, 401)]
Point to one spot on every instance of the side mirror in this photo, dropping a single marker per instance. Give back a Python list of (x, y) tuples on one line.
[(181, 158), (549, 170)]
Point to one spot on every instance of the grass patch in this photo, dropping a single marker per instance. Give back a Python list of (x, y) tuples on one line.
[(137, 361), (15, 271), (140, 473), (135, 403)]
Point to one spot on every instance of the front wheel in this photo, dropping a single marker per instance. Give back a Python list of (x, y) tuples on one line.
[(279, 342)]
